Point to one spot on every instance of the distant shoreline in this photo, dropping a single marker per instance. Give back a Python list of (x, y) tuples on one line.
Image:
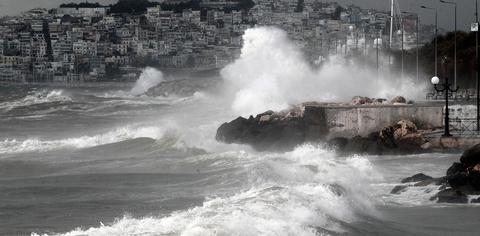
[(89, 84)]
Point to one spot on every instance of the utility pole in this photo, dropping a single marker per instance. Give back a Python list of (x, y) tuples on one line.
[(455, 57), (478, 69), (364, 43), (436, 38), (377, 41), (403, 29), (417, 44), (346, 45), (392, 15)]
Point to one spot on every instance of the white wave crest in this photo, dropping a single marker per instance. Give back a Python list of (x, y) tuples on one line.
[(40, 97), (294, 193), (10, 146), (149, 78)]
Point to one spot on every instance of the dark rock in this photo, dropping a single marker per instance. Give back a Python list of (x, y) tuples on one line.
[(476, 200), (455, 169), (474, 177), (264, 132), (337, 189), (411, 142), (435, 181), (451, 195), (471, 157), (338, 143), (417, 178), (233, 131), (398, 189), (387, 136), (458, 180)]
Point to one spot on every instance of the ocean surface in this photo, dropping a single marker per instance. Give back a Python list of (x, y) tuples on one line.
[(100, 161)]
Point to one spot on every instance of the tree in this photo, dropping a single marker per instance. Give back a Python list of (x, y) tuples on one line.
[(300, 6), (132, 6)]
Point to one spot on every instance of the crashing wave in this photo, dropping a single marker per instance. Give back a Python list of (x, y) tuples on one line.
[(304, 192), (272, 74), (10, 146), (149, 78), (36, 98)]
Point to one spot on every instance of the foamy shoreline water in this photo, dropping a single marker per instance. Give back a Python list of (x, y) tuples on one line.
[(158, 170)]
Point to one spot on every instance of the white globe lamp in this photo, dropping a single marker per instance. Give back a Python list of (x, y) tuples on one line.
[(435, 80)]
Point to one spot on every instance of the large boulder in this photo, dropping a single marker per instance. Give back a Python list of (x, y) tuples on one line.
[(471, 157), (455, 169), (417, 178), (267, 131), (398, 99), (401, 138), (450, 195), (404, 128), (359, 100), (461, 181), (233, 131)]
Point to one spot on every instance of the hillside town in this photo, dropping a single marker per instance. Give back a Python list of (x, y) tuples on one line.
[(91, 42)]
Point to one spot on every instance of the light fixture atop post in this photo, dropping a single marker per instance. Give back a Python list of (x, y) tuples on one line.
[(445, 88), (435, 80)]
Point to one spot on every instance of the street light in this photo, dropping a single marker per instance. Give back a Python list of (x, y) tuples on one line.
[(455, 63), (446, 89), (436, 38)]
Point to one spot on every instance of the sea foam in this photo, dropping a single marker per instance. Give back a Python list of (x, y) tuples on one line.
[(38, 97), (10, 146), (272, 74), (149, 78), (304, 192)]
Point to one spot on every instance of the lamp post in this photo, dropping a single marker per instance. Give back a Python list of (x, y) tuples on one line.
[(436, 38), (455, 62), (446, 89)]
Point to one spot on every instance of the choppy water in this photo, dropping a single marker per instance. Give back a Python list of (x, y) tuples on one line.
[(103, 162)]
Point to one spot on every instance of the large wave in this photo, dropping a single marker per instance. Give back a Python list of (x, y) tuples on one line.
[(35, 98), (271, 74), (304, 192), (149, 78), (10, 146)]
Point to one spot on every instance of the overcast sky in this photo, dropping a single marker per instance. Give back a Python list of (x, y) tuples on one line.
[(466, 8)]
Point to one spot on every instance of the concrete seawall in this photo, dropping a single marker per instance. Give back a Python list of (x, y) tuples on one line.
[(349, 128), (349, 121)]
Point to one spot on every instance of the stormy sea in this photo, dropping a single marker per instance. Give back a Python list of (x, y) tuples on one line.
[(103, 160)]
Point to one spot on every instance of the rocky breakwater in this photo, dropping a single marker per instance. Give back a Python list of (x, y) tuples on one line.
[(307, 123), (400, 138), (461, 184), (274, 130)]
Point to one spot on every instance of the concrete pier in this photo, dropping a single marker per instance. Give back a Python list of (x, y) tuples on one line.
[(350, 121)]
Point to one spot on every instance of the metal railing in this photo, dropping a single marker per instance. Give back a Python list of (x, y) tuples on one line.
[(460, 95), (464, 126)]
